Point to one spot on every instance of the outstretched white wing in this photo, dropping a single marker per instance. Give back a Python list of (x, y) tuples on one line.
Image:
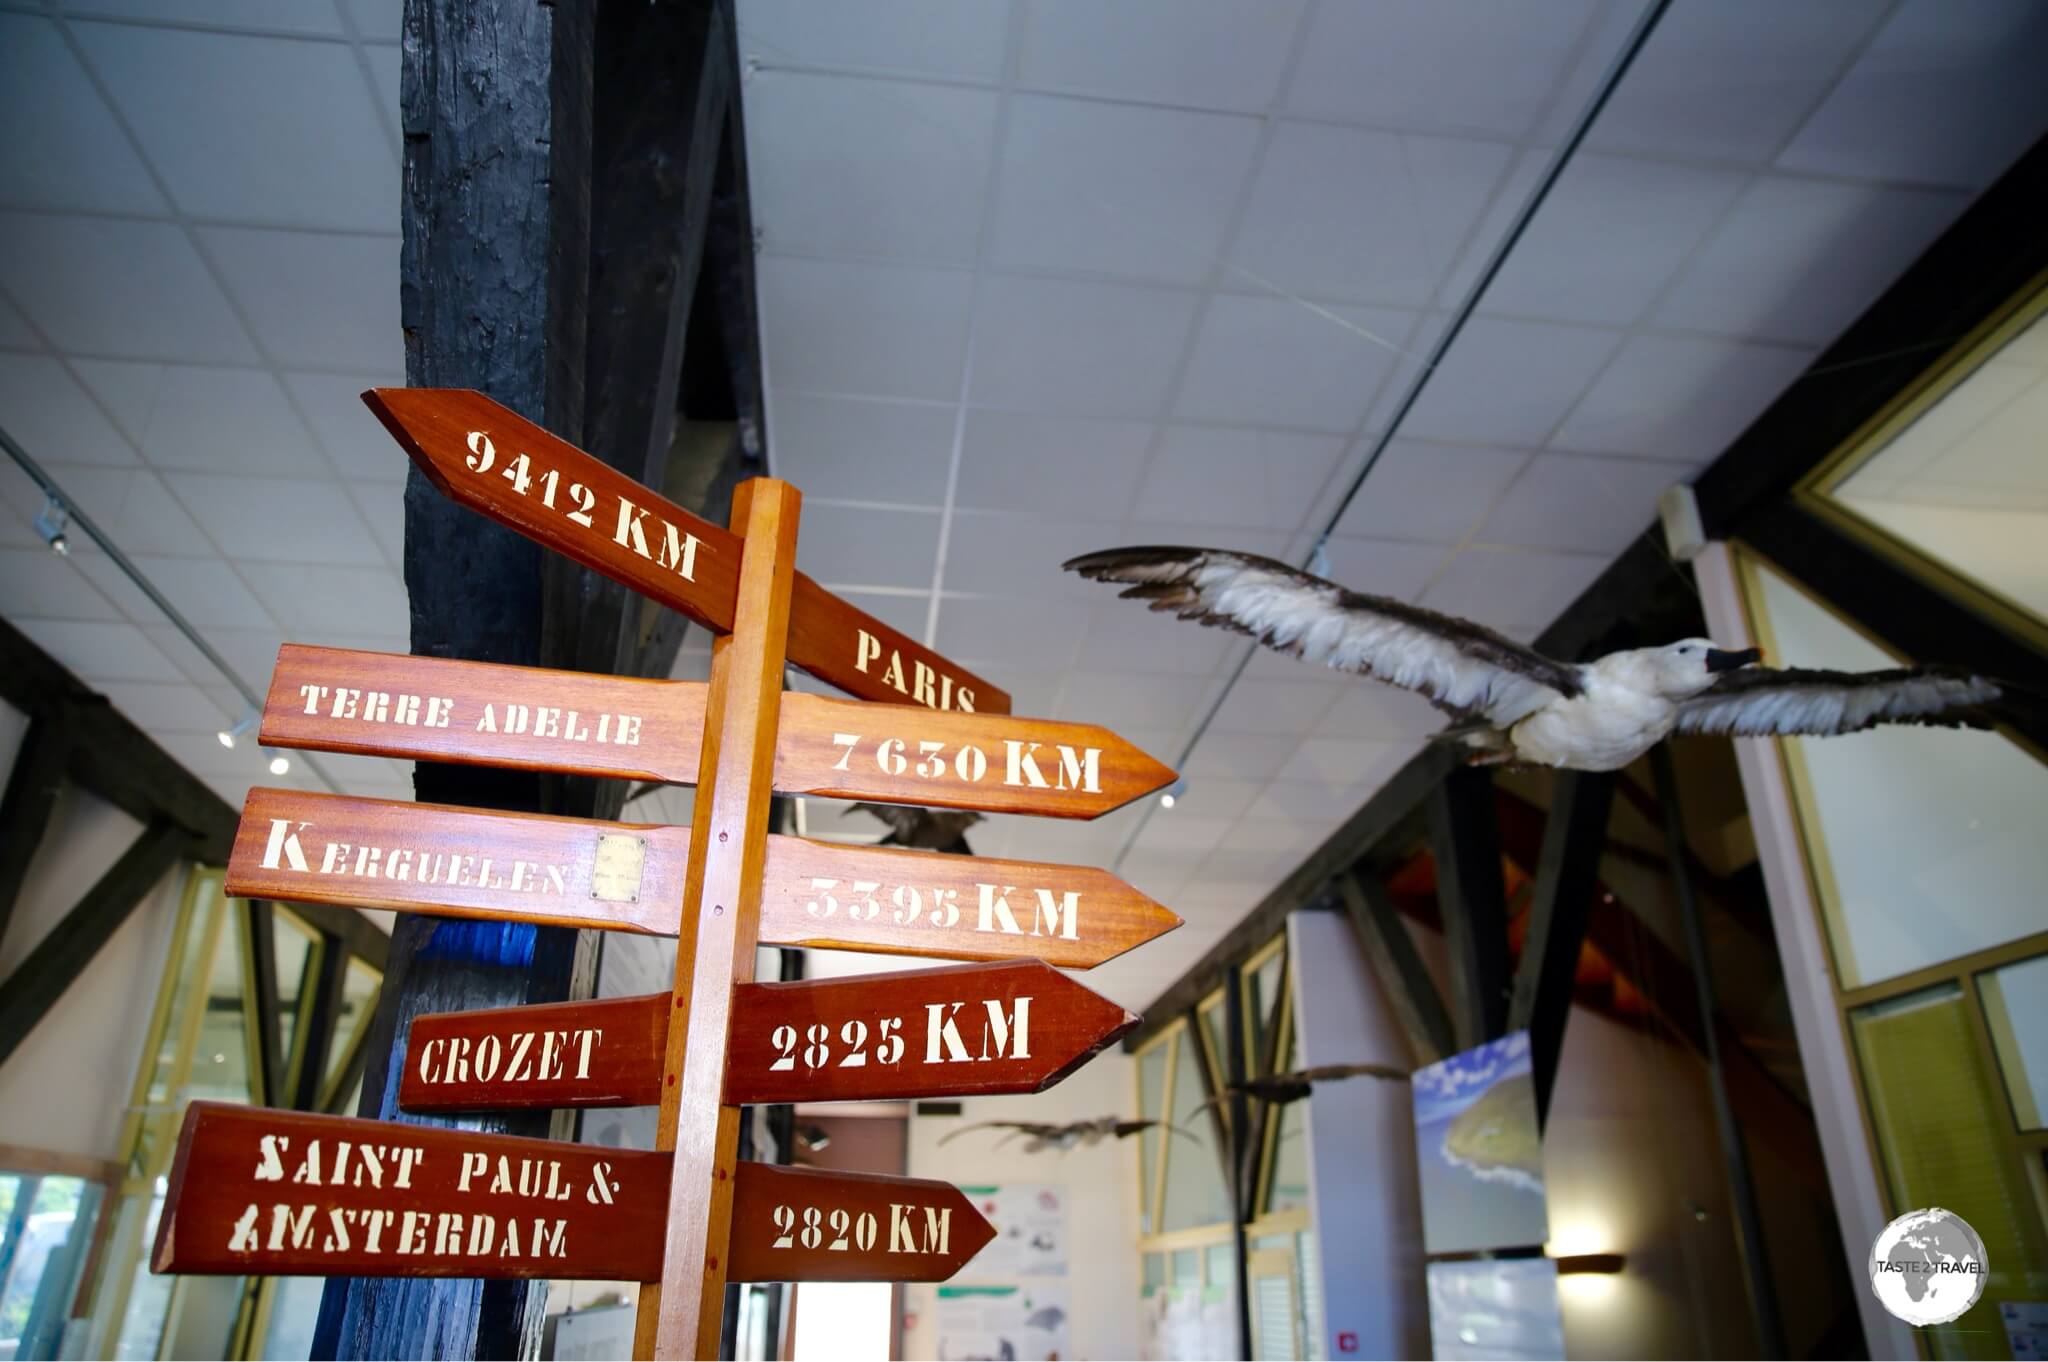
[(1764, 702), (1463, 667)]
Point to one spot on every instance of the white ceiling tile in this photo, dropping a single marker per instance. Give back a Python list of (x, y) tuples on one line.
[(210, 419), (1265, 543), (1214, 475), (1119, 189), (961, 38), (1085, 349), (1451, 65), (191, 664), (99, 650), (1123, 636), (1035, 693), (1219, 798), (206, 591), (1949, 92), (1175, 831), (357, 444), (1274, 362), (36, 582), (1300, 800), (1579, 502), (1216, 54), (1683, 398), (1429, 491), (231, 771), (1608, 239), (1507, 589), (103, 286), (116, 587), (316, 300), (1259, 867), (844, 546), (1342, 763), (1380, 713), (383, 508), (1031, 462), (14, 329), (1276, 706), (1509, 382), (1238, 756), (1359, 214), (282, 16), (849, 165), (257, 129), (1035, 634), (1513, 191), (317, 603), (1123, 701), (53, 418), (377, 20), (136, 510), (1384, 567), (1798, 260), (64, 149), (855, 449), (1020, 555), (278, 520), (386, 71), (874, 330), (1729, 81), (165, 707)]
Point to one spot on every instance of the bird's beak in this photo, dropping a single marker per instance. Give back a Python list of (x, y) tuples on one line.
[(1727, 660)]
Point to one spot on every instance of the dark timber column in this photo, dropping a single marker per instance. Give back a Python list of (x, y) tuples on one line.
[(494, 269)]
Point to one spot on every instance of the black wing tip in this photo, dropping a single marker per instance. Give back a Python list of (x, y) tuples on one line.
[(1098, 566)]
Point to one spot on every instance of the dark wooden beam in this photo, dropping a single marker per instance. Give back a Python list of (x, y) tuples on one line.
[(1263, 1114), (25, 809), (322, 1019), (494, 272), (1398, 967), (1234, 1076), (356, 933), (1308, 886), (1566, 873), (1464, 839), (28, 993)]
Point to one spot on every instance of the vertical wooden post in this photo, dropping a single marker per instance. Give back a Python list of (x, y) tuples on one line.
[(679, 1316)]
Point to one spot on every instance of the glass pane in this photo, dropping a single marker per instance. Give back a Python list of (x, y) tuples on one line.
[(1936, 1113), (1213, 1022), (297, 950), (2016, 1007), (1187, 1267), (220, 1063), (1220, 1263), (1289, 1186), (1151, 1107), (1155, 1270), (1262, 986), (40, 1267), (1926, 842), (1195, 1191), (1310, 1273), (294, 1308), (1965, 482)]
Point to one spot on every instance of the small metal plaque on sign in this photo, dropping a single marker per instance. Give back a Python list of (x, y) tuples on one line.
[(615, 877)]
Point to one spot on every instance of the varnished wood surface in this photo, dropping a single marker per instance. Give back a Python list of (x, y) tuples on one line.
[(383, 853), (287, 1194), (434, 709), (923, 1231), (957, 1031), (483, 714), (283, 1193), (578, 506), (380, 853), (829, 895), (680, 1311)]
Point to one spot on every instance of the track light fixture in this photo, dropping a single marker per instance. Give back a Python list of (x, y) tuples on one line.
[(279, 763), (51, 522), (242, 725), (1171, 795)]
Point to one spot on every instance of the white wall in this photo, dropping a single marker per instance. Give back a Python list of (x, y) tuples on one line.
[(1102, 1199), (1361, 1147), (64, 1088)]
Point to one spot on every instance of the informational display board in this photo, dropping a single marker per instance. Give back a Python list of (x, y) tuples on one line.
[(1031, 1231), (1498, 1308), (1480, 1150), (1025, 1322)]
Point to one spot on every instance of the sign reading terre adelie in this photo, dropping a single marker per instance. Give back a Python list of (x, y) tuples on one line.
[(278, 1192)]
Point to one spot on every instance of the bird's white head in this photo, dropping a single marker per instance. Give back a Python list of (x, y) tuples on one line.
[(1690, 665)]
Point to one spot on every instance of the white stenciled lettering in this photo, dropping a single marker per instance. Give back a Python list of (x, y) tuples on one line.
[(284, 841), (1011, 1030)]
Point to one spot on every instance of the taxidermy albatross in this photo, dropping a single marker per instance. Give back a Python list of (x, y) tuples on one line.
[(1510, 702)]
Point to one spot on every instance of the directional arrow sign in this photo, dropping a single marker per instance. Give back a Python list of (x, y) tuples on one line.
[(379, 853), (280, 1193), (962, 1030), (497, 462), (486, 714)]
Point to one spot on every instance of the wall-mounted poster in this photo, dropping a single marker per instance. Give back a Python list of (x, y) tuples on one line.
[(1024, 1323), (1481, 1154), (1497, 1308), (1031, 1232)]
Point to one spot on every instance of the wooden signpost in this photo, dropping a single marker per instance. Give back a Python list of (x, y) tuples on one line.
[(282, 1193)]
